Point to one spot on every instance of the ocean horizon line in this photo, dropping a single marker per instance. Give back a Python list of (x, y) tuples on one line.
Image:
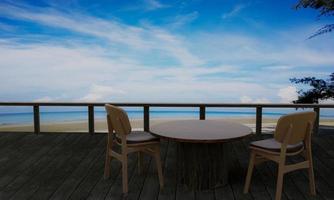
[(64, 116)]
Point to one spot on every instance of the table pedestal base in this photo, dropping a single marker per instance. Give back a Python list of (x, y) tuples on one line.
[(203, 166)]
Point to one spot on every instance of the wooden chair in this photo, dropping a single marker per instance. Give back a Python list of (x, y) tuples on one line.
[(120, 133), (292, 137)]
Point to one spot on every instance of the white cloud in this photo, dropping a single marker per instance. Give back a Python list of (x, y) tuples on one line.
[(288, 94), (146, 38), (280, 67), (262, 100), (181, 20), (247, 99), (44, 99), (175, 47), (144, 6), (101, 93), (64, 69), (6, 27), (235, 11), (148, 63), (327, 101), (154, 5), (250, 50), (83, 73)]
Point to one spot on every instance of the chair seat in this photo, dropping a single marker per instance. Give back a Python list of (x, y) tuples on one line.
[(139, 137), (273, 145)]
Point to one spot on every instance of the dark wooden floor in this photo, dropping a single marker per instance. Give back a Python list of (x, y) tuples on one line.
[(70, 166)]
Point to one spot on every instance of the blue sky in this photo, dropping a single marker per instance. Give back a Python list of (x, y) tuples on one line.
[(159, 51)]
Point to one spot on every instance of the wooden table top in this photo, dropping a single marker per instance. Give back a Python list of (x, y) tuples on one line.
[(201, 131)]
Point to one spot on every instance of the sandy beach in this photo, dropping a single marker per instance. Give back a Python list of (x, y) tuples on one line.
[(268, 124)]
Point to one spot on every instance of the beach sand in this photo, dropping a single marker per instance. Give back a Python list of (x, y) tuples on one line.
[(268, 124)]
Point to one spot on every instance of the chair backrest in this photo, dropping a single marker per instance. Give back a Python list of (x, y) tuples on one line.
[(117, 120), (300, 124)]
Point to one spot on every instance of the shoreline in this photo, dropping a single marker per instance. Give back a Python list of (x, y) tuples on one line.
[(268, 124)]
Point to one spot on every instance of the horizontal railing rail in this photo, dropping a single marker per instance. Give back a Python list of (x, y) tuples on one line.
[(146, 110)]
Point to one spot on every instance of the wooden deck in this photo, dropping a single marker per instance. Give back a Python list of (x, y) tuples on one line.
[(70, 166)]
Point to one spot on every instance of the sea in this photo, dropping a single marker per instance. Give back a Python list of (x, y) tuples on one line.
[(65, 114)]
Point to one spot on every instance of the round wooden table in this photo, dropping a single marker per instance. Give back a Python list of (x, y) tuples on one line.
[(203, 150)]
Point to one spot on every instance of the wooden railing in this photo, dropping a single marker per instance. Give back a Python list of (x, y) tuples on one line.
[(146, 107)]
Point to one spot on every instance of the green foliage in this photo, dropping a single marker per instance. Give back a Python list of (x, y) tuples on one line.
[(325, 7), (320, 89), (326, 29)]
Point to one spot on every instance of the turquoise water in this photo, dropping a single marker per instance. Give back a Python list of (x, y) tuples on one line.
[(61, 116)]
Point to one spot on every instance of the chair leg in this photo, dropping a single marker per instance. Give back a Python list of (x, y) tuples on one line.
[(249, 172), (125, 174), (140, 162), (108, 159), (107, 165), (311, 172), (279, 184), (159, 167)]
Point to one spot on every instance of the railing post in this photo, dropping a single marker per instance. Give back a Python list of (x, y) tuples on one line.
[(317, 119), (202, 112), (91, 128), (258, 120), (36, 119), (146, 118)]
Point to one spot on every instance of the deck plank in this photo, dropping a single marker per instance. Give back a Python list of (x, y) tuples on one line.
[(103, 186), (13, 156), (290, 190), (10, 147), (115, 192), (258, 189), (224, 193), (60, 156), (70, 166), (61, 179), (10, 139), (33, 163), (323, 161), (91, 179), (170, 176), (237, 176), (261, 173), (302, 181), (150, 187)]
